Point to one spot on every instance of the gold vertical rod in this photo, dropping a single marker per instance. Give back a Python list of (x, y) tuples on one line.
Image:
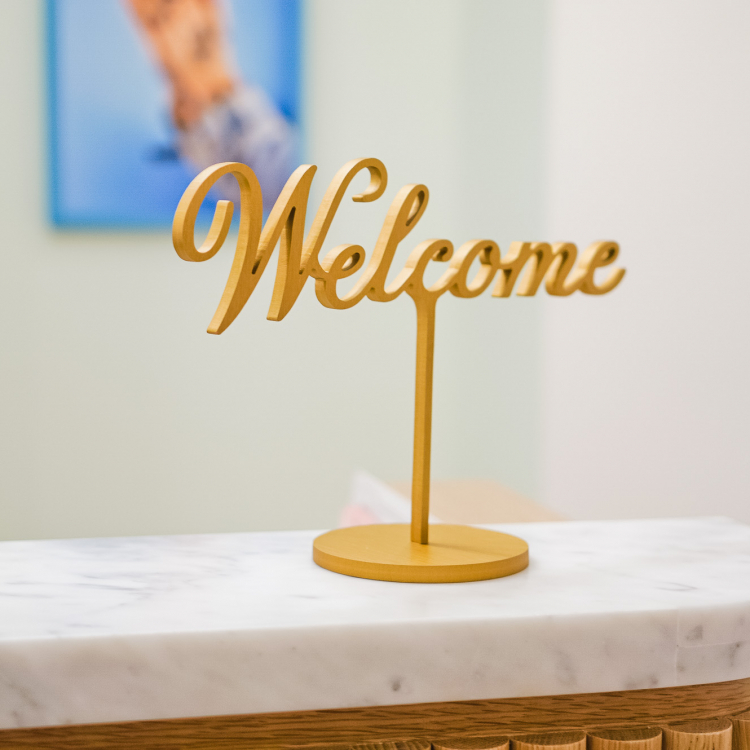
[(420, 480)]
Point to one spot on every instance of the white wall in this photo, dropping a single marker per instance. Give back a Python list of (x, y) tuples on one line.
[(120, 415), (646, 405)]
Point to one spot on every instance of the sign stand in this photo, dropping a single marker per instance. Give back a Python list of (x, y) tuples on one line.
[(417, 553), (410, 553)]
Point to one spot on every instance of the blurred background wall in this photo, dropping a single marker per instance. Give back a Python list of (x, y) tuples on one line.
[(577, 120), (646, 403), (120, 415)]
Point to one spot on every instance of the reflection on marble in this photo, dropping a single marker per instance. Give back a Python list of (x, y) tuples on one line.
[(123, 629)]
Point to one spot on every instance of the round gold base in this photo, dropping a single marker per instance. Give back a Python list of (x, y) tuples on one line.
[(385, 552)]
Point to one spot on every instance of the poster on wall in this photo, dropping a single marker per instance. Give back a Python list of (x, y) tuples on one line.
[(144, 94)]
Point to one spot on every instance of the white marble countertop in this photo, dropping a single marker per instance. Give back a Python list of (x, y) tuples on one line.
[(124, 629)]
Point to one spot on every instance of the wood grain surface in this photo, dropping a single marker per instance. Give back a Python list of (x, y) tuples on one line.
[(491, 742), (550, 741), (709, 734), (741, 731), (637, 738), (427, 721), (397, 745)]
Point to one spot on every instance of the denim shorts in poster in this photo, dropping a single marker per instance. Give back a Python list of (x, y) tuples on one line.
[(144, 94)]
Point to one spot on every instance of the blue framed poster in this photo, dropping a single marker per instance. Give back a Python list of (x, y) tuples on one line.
[(144, 94)]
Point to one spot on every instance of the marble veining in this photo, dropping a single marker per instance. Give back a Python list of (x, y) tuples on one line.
[(95, 630)]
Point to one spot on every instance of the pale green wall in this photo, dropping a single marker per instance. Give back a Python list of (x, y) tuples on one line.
[(120, 415)]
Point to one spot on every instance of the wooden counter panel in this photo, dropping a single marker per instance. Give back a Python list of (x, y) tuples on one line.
[(425, 721)]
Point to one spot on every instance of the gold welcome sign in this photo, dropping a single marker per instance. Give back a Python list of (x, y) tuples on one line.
[(392, 552)]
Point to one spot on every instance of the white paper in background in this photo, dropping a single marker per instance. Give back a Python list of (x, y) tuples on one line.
[(374, 501)]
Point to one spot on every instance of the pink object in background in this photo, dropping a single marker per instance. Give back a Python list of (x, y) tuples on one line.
[(356, 515), (373, 501)]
